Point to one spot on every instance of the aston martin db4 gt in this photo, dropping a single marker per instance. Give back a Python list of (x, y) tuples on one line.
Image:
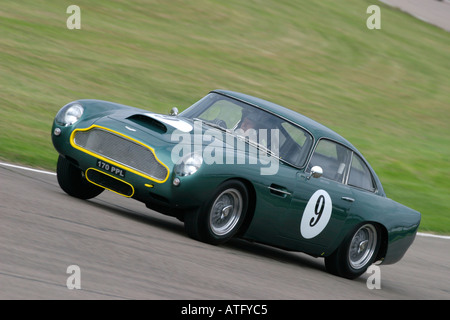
[(232, 165)]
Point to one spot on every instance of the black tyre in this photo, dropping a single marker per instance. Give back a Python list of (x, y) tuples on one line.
[(73, 182), (220, 218), (356, 253)]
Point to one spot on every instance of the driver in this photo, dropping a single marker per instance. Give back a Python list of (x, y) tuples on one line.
[(248, 126)]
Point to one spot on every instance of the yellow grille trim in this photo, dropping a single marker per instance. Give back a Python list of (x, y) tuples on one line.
[(72, 143)]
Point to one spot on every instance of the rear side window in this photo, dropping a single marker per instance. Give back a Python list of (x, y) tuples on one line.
[(342, 165), (333, 158), (360, 175)]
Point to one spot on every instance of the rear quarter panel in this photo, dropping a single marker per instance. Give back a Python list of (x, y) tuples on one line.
[(399, 223)]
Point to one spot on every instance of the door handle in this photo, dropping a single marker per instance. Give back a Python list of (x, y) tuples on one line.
[(348, 199)]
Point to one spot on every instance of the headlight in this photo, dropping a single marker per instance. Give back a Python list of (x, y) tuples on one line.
[(189, 164), (69, 114)]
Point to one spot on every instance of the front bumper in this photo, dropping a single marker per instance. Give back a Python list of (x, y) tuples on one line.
[(124, 164)]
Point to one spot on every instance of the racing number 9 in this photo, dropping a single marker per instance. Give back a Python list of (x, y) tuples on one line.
[(318, 210), (316, 215)]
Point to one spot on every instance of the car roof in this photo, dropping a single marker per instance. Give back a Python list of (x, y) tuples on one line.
[(318, 130)]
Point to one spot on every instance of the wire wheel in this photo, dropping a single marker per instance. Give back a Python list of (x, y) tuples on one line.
[(220, 218), (225, 212), (362, 246), (356, 252)]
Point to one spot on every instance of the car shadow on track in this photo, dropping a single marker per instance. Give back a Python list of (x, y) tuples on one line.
[(273, 253), (170, 224)]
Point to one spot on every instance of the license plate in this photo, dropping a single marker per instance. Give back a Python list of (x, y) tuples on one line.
[(110, 168)]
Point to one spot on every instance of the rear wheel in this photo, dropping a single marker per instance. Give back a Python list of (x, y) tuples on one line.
[(357, 252), (221, 217), (73, 182)]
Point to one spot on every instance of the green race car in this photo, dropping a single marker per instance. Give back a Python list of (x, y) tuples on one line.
[(233, 165)]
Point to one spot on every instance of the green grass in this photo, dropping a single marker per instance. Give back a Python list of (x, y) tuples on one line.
[(385, 90)]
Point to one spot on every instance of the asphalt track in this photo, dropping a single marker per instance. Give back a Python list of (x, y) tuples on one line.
[(431, 11), (125, 251)]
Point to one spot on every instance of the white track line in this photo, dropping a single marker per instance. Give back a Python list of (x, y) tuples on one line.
[(54, 174), (432, 235), (25, 168)]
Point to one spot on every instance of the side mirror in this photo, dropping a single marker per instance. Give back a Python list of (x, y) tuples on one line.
[(316, 172), (173, 111)]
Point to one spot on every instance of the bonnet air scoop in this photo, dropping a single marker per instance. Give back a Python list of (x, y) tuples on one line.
[(148, 122), (160, 122)]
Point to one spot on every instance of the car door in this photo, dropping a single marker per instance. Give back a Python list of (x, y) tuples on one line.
[(320, 206)]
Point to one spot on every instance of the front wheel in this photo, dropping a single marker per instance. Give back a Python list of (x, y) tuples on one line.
[(357, 252), (72, 181), (221, 217)]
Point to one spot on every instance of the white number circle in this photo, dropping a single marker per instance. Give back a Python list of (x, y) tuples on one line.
[(316, 215)]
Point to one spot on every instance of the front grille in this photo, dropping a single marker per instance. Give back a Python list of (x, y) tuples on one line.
[(121, 150)]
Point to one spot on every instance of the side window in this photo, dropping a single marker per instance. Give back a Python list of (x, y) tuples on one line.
[(360, 175), (295, 144), (333, 158)]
